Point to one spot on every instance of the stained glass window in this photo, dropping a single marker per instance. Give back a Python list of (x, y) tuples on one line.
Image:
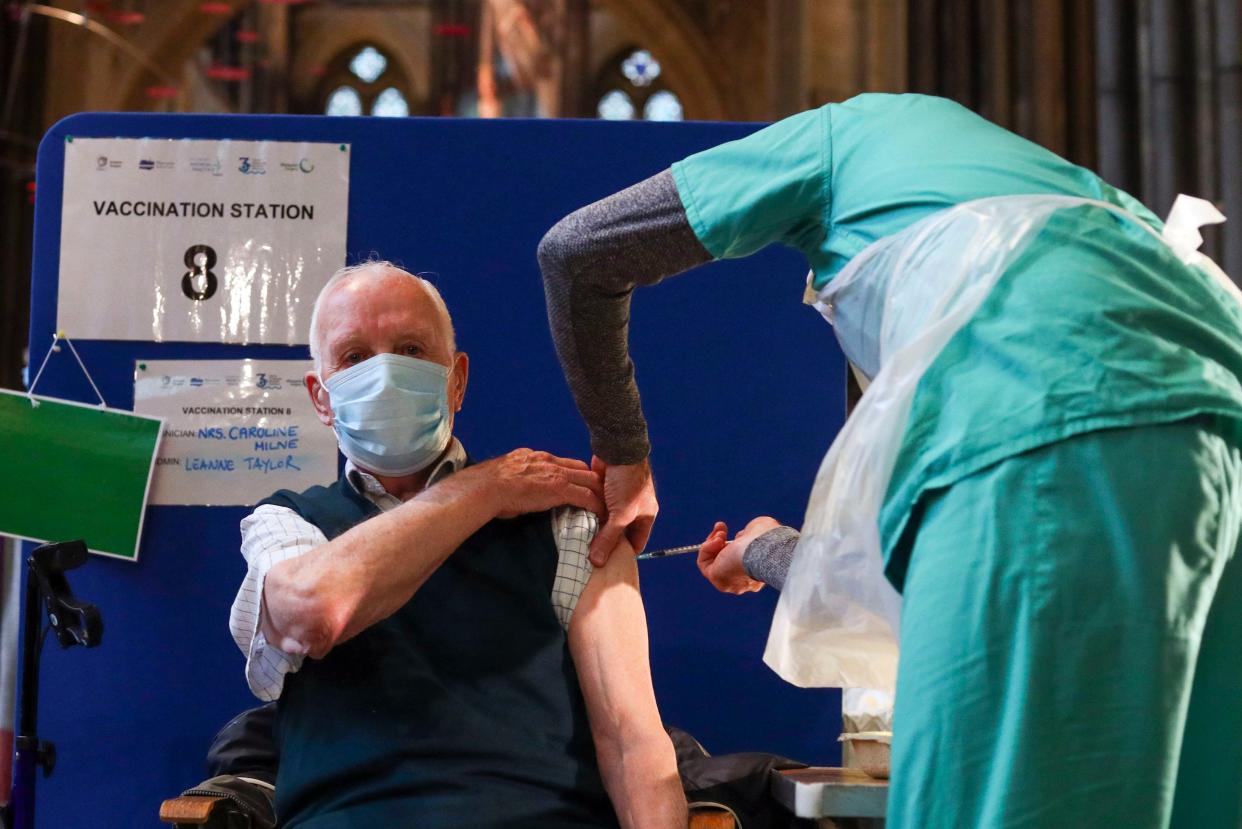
[(615, 105), (368, 64), (641, 68), (633, 85), (344, 100), (365, 81), (390, 104), (662, 106)]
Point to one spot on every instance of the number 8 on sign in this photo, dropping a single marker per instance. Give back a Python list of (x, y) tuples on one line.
[(199, 281)]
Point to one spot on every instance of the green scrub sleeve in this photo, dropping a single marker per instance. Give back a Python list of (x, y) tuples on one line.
[(771, 186)]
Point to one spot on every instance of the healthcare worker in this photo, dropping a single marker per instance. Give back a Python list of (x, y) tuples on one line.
[(1059, 492)]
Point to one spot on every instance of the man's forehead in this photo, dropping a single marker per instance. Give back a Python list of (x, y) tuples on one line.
[(358, 304), (393, 285)]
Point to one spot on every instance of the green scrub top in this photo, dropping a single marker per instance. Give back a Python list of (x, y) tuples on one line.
[(1097, 325)]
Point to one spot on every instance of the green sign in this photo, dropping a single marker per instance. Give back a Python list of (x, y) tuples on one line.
[(71, 470)]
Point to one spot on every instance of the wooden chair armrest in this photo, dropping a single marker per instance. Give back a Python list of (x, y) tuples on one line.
[(714, 819), (195, 810), (192, 810)]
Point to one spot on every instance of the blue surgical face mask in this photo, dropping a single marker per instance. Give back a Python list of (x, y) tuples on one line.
[(391, 413)]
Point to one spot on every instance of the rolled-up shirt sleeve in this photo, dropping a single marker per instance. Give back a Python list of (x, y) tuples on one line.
[(573, 530), (270, 535)]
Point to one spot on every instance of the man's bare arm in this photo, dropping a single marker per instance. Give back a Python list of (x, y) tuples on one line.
[(608, 642), (334, 592)]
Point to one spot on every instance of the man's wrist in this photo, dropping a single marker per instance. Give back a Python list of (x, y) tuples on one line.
[(473, 486)]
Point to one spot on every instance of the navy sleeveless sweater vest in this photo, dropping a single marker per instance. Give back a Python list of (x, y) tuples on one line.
[(460, 710)]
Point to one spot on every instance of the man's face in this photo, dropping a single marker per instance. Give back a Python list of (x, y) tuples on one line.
[(390, 314)]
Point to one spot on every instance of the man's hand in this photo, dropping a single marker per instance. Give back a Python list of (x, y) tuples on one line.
[(290, 618), (720, 560), (629, 495), (527, 481)]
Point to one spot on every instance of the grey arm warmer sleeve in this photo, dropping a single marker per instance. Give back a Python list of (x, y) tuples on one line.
[(768, 557), (591, 261)]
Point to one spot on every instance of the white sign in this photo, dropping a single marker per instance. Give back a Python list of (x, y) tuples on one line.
[(202, 241), (235, 431)]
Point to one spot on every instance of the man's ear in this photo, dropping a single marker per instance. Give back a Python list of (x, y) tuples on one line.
[(319, 398), (458, 379)]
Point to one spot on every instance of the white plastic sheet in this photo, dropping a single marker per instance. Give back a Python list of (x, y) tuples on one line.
[(1181, 232), (837, 620)]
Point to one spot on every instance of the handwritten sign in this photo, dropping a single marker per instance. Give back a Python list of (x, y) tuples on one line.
[(235, 431)]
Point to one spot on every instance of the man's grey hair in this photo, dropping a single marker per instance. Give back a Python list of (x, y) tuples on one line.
[(373, 270)]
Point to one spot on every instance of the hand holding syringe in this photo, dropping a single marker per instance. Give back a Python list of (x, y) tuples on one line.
[(719, 559)]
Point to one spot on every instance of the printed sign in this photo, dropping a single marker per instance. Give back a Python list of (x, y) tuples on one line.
[(203, 241), (73, 470), (235, 431)]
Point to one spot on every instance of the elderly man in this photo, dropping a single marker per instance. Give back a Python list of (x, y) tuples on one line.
[(467, 666)]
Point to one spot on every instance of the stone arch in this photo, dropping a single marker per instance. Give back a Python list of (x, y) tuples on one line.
[(664, 27), (406, 44), (169, 39)]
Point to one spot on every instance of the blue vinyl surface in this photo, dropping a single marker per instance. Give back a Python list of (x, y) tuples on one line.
[(743, 388)]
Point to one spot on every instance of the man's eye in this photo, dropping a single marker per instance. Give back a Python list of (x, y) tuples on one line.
[(353, 358), (412, 350)]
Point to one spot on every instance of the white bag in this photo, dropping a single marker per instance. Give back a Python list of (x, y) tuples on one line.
[(837, 619)]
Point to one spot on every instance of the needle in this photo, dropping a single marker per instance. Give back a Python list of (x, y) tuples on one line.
[(671, 551)]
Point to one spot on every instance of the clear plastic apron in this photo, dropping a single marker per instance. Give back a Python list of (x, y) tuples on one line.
[(894, 307)]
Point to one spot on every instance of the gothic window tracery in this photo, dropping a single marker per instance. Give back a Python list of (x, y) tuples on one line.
[(633, 86), (364, 81)]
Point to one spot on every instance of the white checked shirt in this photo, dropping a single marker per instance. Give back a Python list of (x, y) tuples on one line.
[(273, 534)]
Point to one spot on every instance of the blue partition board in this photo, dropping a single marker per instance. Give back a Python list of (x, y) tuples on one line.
[(742, 384)]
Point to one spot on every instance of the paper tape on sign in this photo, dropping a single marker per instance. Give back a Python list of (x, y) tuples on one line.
[(201, 241), (73, 470), (235, 430)]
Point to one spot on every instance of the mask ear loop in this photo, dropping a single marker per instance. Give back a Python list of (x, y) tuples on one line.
[(56, 338)]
